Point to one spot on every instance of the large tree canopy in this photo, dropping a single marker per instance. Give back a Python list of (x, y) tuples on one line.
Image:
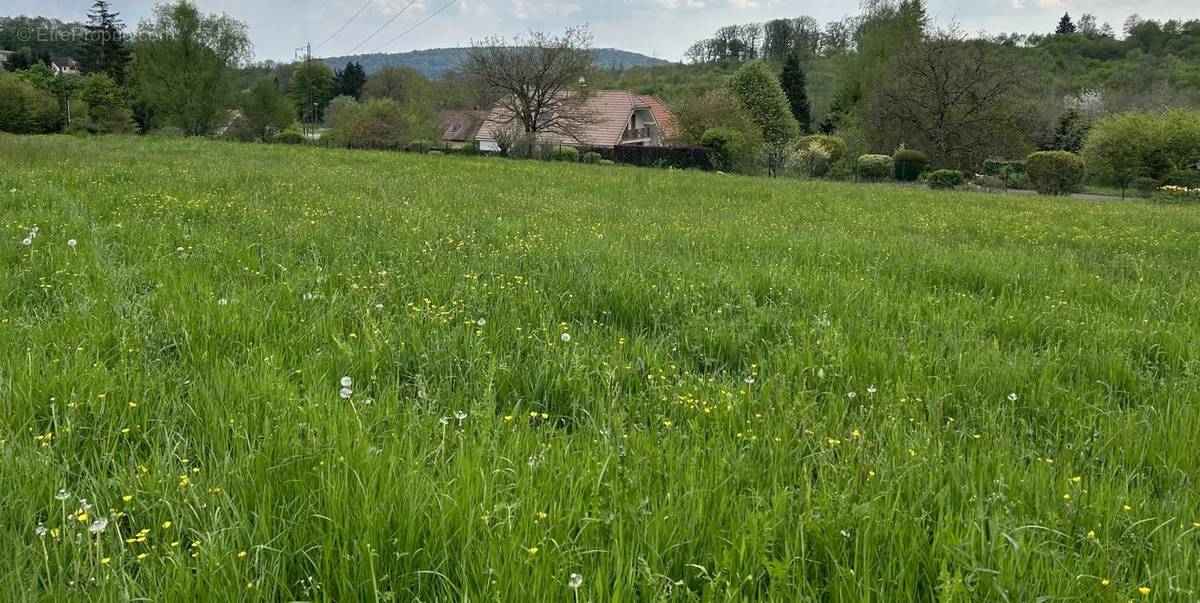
[(183, 65), (536, 79)]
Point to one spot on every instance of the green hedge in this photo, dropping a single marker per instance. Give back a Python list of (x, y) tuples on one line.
[(909, 164), (945, 179), (569, 154), (1056, 172)]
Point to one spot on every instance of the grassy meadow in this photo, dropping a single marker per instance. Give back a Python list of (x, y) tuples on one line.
[(265, 373)]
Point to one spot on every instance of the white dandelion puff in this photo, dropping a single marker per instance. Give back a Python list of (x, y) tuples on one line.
[(222, 302), (41, 530), (27, 241), (347, 381), (871, 389), (1012, 397), (72, 242), (62, 494), (566, 338), (460, 415), (575, 581), (345, 393), (481, 322), (99, 525)]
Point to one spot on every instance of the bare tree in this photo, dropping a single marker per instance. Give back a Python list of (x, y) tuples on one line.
[(959, 100), (536, 78)]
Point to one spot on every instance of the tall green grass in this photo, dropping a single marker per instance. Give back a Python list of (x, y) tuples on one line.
[(675, 386)]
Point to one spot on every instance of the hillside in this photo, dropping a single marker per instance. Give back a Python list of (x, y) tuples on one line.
[(289, 373), (433, 63)]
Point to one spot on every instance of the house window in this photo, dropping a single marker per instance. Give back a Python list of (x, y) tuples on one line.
[(455, 128)]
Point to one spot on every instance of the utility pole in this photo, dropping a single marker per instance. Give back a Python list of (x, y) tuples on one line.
[(306, 110)]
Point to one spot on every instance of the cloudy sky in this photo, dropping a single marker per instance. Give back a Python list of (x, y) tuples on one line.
[(662, 28)]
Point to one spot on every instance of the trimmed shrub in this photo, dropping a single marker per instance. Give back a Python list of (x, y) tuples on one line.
[(568, 154), (289, 137), (1055, 172), (591, 157), (607, 162), (909, 164), (945, 179), (435, 152), (875, 167), (418, 146)]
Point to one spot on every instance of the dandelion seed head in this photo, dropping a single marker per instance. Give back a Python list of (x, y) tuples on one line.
[(72, 242), (345, 393), (460, 414), (1012, 397), (27, 241), (575, 581), (347, 381), (99, 525), (566, 338)]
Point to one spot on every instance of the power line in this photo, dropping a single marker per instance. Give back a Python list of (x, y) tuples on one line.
[(381, 27), (348, 21), (409, 30)]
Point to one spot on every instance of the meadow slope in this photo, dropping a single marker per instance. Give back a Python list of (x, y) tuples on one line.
[(673, 386)]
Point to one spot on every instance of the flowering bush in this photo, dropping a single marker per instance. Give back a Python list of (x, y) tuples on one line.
[(875, 167)]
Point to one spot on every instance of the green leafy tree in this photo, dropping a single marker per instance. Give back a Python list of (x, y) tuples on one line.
[(25, 108), (266, 111), (106, 49), (792, 79), (311, 89), (183, 66), (1071, 131), (349, 81), (758, 91), (21, 59), (107, 109), (717, 109)]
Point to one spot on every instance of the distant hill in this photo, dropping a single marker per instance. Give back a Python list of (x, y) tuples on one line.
[(435, 62)]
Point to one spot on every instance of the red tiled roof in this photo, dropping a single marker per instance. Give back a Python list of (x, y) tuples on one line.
[(608, 112), (460, 126)]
